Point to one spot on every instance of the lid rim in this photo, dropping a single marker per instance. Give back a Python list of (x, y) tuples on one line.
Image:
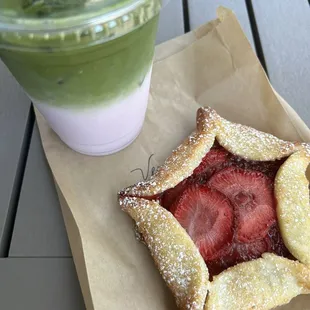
[(66, 24), (84, 35)]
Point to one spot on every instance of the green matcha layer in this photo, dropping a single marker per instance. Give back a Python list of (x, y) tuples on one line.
[(87, 76)]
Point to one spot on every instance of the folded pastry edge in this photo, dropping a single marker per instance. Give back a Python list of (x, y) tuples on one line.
[(293, 208), (240, 140), (263, 283), (174, 253)]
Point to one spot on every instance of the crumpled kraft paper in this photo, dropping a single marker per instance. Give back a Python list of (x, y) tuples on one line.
[(214, 66)]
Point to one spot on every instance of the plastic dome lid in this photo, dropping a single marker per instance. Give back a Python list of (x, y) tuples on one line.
[(67, 24)]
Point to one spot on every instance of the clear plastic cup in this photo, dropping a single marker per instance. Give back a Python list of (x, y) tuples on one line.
[(85, 64)]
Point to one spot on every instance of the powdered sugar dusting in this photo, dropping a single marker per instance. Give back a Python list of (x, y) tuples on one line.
[(238, 139), (175, 254), (306, 148), (252, 144), (177, 167), (292, 193), (260, 284)]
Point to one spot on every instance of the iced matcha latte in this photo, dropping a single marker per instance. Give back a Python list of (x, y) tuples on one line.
[(86, 65)]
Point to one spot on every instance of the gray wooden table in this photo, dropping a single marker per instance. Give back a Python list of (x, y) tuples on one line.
[(36, 267)]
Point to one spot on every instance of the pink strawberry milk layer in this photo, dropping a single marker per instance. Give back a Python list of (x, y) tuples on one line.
[(101, 129)]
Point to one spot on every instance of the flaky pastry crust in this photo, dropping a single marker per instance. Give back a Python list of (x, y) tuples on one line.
[(261, 284), (175, 254), (293, 210)]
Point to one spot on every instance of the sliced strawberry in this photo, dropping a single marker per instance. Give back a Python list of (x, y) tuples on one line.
[(251, 193), (220, 262), (254, 222), (171, 195), (211, 163), (227, 207), (238, 252), (243, 252), (207, 216)]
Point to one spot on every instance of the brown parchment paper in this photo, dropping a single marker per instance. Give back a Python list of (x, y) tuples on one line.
[(213, 65)]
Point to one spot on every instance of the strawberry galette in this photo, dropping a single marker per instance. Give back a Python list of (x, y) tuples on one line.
[(227, 217)]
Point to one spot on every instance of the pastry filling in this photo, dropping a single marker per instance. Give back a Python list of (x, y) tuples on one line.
[(228, 208)]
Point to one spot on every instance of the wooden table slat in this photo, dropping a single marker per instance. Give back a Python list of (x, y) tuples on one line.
[(39, 226), (171, 22), (14, 113), (284, 30), (39, 284)]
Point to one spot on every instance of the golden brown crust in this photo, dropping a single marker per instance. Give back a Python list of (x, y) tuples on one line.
[(174, 252), (182, 162), (261, 284), (293, 209), (240, 140), (252, 144)]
